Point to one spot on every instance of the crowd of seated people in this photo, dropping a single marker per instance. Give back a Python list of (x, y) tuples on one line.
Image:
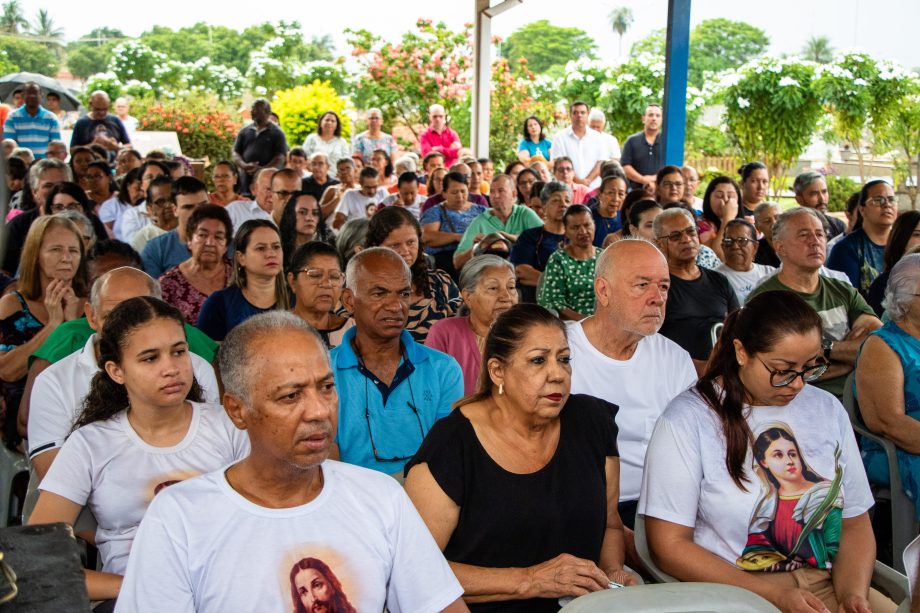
[(194, 366)]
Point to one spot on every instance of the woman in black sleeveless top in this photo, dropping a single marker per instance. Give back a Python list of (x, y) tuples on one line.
[(519, 485)]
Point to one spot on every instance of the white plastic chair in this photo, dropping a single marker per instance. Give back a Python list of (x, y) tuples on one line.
[(12, 464), (672, 597), (904, 525)]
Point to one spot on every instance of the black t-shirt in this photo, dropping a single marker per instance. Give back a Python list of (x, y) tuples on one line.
[(519, 520), (694, 307), (86, 129), (312, 187), (765, 255), (644, 158), (260, 147)]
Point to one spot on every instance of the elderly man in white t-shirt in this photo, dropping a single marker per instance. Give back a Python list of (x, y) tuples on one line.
[(618, 355), (286, 528), (260, 207)]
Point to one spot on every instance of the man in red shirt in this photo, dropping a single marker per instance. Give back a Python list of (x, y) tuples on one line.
[(438, 137)]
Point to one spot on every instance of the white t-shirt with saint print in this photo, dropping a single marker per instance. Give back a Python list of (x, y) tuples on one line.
[(686, 481), (107, 467), (205, 548)]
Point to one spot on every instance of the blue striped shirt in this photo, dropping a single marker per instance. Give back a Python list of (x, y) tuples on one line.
[(32, 132)]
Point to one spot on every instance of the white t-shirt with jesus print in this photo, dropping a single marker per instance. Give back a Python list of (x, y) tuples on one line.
[(358, 546), (805, 476), (107, 467)]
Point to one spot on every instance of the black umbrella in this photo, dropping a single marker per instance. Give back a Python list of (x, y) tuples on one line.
[(13, 81)]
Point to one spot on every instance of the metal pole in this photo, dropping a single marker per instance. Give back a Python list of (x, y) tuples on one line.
[(675, 81), (482, 80)]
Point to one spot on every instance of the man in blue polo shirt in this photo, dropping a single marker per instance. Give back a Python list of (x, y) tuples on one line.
[(32, 126), (391, 389)]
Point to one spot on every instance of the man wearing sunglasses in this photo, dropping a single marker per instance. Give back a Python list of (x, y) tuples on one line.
[(391, 388), (699, 298), (800, 242)]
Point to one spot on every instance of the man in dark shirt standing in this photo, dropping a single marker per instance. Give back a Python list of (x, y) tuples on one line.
[(642, 154), (259, 145), (99, 127)]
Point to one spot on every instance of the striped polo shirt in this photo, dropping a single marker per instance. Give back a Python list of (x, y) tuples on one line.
[(32, 132)]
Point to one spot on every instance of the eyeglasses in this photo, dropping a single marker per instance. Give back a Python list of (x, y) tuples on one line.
[(782, 378), (671, 184), (396, 456), (675, 237), (57, 207), (881, 201), (741, 241), (316, 276)]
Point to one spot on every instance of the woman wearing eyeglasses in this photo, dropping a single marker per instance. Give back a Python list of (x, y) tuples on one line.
[(754, 479), (739, 245), (861, 253), (316, 280), (669, 187), (208, 270)]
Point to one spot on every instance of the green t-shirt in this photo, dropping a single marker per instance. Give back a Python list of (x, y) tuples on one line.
[(72, 335), (838, 304), (522, 218)]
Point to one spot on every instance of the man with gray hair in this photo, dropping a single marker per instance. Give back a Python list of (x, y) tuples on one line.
[(44, 175), (99, 127), (810, 189), (321, 178), (618, 354), (58, 392), (392, 388), (699, 298), (326, 532), (801, 244), (597, 122)]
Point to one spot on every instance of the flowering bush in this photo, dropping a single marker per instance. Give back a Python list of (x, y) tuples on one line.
[(332, 72), (104, 81), (429, 66), (300, 108), (204, 128), (132, 59), (771, 110)]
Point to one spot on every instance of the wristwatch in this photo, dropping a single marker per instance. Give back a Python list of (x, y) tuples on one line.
[(828, 348)]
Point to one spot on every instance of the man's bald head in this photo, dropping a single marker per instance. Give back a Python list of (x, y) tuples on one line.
[(113, 288), (631, 284)]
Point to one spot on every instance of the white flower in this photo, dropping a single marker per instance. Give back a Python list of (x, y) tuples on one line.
[(645, 92), (606, 88), (626, 77), (785, 81), (589, 78), (861, 82), (743, 102)]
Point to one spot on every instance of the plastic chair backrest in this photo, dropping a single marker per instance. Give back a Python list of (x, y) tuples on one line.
[(668, 597), (645, 553)]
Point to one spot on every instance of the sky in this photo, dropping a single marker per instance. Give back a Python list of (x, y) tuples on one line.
[(884, 28)]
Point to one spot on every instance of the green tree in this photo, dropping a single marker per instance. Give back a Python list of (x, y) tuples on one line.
[(45, 30), (721, 44), (621, 19), (86, 59), (545, 45), (818, 49), (653, 44), (771, 112), (29, 55), (12, 19), (429, 65), (903, 134)]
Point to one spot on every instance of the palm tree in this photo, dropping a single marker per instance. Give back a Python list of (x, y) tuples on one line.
[(620, 20), (12, 18), (818, 49)]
